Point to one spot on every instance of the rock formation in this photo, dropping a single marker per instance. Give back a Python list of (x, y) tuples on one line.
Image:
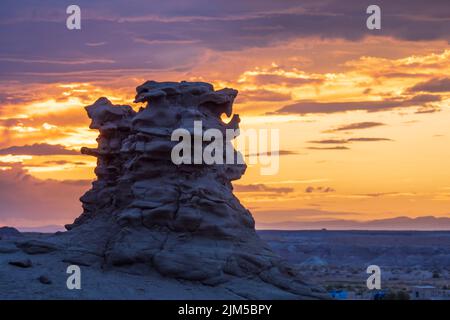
[(145, 214), (9, 232)]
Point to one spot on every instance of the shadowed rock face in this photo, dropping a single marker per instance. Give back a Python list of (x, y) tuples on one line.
[(137, 181), (8, 232), (145, 213)]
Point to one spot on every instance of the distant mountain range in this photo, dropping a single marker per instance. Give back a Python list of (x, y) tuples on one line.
[(397, 223)]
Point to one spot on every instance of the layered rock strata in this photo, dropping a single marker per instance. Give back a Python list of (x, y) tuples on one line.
[(146, 214)]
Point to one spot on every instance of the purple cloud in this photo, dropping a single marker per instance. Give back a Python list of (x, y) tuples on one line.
[(35, 44), (307, 107), (356, 126), (432, 85), (39, 149), (24, 197), (261, 188)]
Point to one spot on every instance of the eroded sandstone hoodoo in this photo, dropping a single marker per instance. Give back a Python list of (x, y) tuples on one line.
[(146, 213)]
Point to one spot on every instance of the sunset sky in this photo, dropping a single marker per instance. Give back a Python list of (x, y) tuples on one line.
[(363, 115)]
